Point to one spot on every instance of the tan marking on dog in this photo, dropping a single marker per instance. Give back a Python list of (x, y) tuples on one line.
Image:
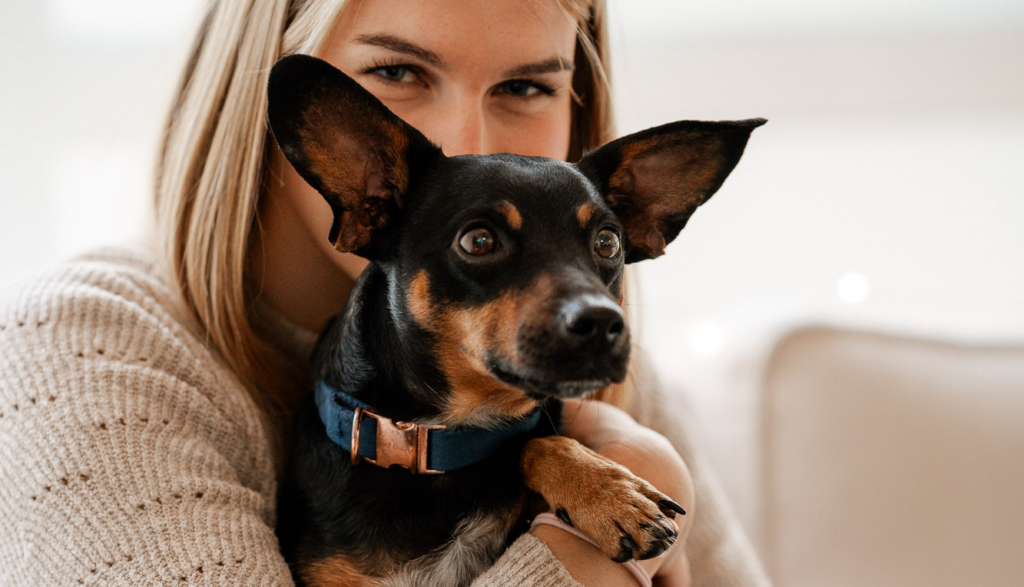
[(478, 399), (467, 337), (584, 213), (333, 571), (598, 494), (418, 300), (511, 213)]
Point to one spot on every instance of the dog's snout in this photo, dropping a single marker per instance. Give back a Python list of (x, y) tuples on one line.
[(573, 342), (593, 321)]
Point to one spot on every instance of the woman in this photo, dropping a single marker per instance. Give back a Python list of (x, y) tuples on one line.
[(145, 395)]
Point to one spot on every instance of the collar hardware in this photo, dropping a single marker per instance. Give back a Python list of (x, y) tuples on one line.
[(398, 443)]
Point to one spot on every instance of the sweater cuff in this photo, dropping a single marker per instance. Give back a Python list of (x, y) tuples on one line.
[(527, 563)]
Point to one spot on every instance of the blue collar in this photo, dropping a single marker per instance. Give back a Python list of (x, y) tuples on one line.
[(421, 449)]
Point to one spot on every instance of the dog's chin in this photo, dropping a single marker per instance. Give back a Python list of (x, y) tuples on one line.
[(542, 388)]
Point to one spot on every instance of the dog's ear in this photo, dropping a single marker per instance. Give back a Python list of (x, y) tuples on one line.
[(345, 143), (655, 179)]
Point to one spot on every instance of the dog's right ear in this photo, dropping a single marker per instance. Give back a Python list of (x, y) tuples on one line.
[(655, 179), (345, 143)]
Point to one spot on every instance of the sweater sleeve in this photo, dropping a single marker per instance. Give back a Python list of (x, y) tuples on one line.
[(128, 455), (527, 563)]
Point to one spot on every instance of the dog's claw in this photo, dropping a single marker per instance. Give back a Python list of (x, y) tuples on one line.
[(563, 515), (628, 546), (655, 550), (667, 526), (672, 506), (659, 532)]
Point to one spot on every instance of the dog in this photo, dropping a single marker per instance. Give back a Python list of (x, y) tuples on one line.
[(493, 293)]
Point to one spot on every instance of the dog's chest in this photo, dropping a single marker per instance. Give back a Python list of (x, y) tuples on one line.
[(477, 542)]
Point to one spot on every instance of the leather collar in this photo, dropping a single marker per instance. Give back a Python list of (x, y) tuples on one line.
[(353, 425)]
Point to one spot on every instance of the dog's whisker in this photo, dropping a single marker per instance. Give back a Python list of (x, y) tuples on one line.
[(547, 414)]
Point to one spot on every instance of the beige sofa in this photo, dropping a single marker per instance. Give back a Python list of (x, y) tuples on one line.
[(869, 458)]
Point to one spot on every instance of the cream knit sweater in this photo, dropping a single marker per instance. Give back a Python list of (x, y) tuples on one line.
[(130, 455)]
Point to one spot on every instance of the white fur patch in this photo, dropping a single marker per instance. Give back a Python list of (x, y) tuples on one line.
[(479, 540)]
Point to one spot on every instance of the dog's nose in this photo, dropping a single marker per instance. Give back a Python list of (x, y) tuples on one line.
[(593, 321)]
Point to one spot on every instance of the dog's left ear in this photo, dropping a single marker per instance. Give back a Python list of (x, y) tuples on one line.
[(655, 179), (345, 143)]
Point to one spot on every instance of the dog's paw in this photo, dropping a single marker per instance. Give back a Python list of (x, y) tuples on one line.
[(623, 514), (626, 516)]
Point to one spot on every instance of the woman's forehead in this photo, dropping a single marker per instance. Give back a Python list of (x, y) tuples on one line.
[(502, 36)]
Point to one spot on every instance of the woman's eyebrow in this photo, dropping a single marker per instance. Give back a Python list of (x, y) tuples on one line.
[(553, 65), (399, 45), (402, 46)]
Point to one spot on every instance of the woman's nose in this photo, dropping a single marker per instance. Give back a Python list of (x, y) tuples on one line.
[(461, 128)]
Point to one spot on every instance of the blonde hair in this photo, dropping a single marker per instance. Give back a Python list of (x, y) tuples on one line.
[(211, 167)]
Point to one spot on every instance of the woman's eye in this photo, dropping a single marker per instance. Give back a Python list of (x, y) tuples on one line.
[(394, 73), (524, 88), (519, 88), (478, 241), (607, 243)]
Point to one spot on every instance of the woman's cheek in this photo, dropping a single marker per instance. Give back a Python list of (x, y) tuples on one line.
[(543, 137), (539, 127)]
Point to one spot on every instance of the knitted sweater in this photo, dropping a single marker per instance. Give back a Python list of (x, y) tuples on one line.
[(129, 454)]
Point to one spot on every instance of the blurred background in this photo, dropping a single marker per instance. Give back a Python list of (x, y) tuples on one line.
[(880, 209), (888, 184)]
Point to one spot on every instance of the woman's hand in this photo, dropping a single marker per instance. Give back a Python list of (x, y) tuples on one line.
[(612, 433)]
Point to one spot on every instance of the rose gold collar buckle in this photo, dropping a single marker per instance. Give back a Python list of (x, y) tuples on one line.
[(398, 443)]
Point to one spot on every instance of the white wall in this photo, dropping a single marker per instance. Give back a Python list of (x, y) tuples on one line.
[(86, 84), (886, 190)]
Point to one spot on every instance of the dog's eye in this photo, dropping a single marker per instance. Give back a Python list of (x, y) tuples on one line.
[(478, 241), (607, 243)]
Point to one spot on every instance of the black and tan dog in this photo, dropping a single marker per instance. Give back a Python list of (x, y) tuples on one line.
[(493, 293)]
